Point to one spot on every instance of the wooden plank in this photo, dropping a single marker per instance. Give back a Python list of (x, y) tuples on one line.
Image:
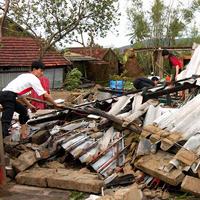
[(2, 160)]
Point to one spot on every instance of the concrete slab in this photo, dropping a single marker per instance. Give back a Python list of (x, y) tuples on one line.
[(61, 178), (35, 177), (153, 164), (129, 193), (24, 161), (170, 140), (186, 156), (75, 180), (191, 184)]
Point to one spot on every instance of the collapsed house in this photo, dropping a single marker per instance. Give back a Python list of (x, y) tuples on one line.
[(102, 144)]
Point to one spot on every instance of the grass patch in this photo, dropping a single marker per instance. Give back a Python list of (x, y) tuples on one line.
[(77, 196)]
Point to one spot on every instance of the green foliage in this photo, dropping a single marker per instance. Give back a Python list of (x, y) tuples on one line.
[(73, 79), (64, 20), (119, 55), (128, 85), (144, 60), (77, 196), (139, 25), (13, 29), (182, 196), (163, 24), (117, 77), (195, 5)]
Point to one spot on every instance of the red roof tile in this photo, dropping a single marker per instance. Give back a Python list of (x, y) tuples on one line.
[(98, 53), (20, 52)]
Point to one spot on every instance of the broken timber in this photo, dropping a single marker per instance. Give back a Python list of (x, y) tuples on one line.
[(161, 90), (112, 118), (152, 95)]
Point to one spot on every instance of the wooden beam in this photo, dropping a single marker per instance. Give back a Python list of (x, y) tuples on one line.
[(152, 95), (112, 118), (2, 158), (188, 48)]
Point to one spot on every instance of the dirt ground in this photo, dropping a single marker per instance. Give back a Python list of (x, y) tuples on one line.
[(68, 96), (21, 192), (13, 191), (73, 97)]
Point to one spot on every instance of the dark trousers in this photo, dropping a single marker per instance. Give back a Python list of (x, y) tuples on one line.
[(10, 105), (140, 83)]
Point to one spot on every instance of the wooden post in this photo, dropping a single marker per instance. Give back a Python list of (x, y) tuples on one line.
[(2, 157), (159, 63)]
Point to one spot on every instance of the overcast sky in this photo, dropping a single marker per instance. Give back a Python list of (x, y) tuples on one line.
[(120, 39)]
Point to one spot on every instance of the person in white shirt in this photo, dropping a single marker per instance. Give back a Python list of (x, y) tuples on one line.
[(18, 87)]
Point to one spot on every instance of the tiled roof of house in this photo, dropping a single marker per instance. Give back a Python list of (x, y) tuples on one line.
[(20, 52), (95, 52)]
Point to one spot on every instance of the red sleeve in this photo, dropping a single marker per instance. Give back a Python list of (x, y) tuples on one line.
[(175, 61)]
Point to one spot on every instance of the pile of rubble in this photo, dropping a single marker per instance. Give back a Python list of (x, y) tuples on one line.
[(87, 149), (130, 140)]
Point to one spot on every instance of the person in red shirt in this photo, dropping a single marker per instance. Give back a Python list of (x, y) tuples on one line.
[(175, 63), (177, 66), (46, 85)]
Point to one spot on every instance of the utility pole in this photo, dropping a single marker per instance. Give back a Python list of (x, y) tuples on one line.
[(2, 157)]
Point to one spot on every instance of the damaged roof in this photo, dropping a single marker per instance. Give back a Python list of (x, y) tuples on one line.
[(78, 57), (20, 52), (95, 52)]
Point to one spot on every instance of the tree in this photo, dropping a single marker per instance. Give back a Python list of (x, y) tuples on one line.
[(138, 23), (2, 19), (56, 21), (161, 25)]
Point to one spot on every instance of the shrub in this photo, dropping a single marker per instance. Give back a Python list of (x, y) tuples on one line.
[(122, 76), (73, 79)]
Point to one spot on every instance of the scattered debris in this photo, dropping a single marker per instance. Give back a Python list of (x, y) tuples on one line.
[(130, 142)]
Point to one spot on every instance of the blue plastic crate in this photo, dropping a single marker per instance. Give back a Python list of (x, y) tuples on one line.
[(116, 85)]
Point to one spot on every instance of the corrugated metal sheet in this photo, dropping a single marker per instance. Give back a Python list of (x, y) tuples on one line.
[(55, 76), (5, 78), (14, 69)]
